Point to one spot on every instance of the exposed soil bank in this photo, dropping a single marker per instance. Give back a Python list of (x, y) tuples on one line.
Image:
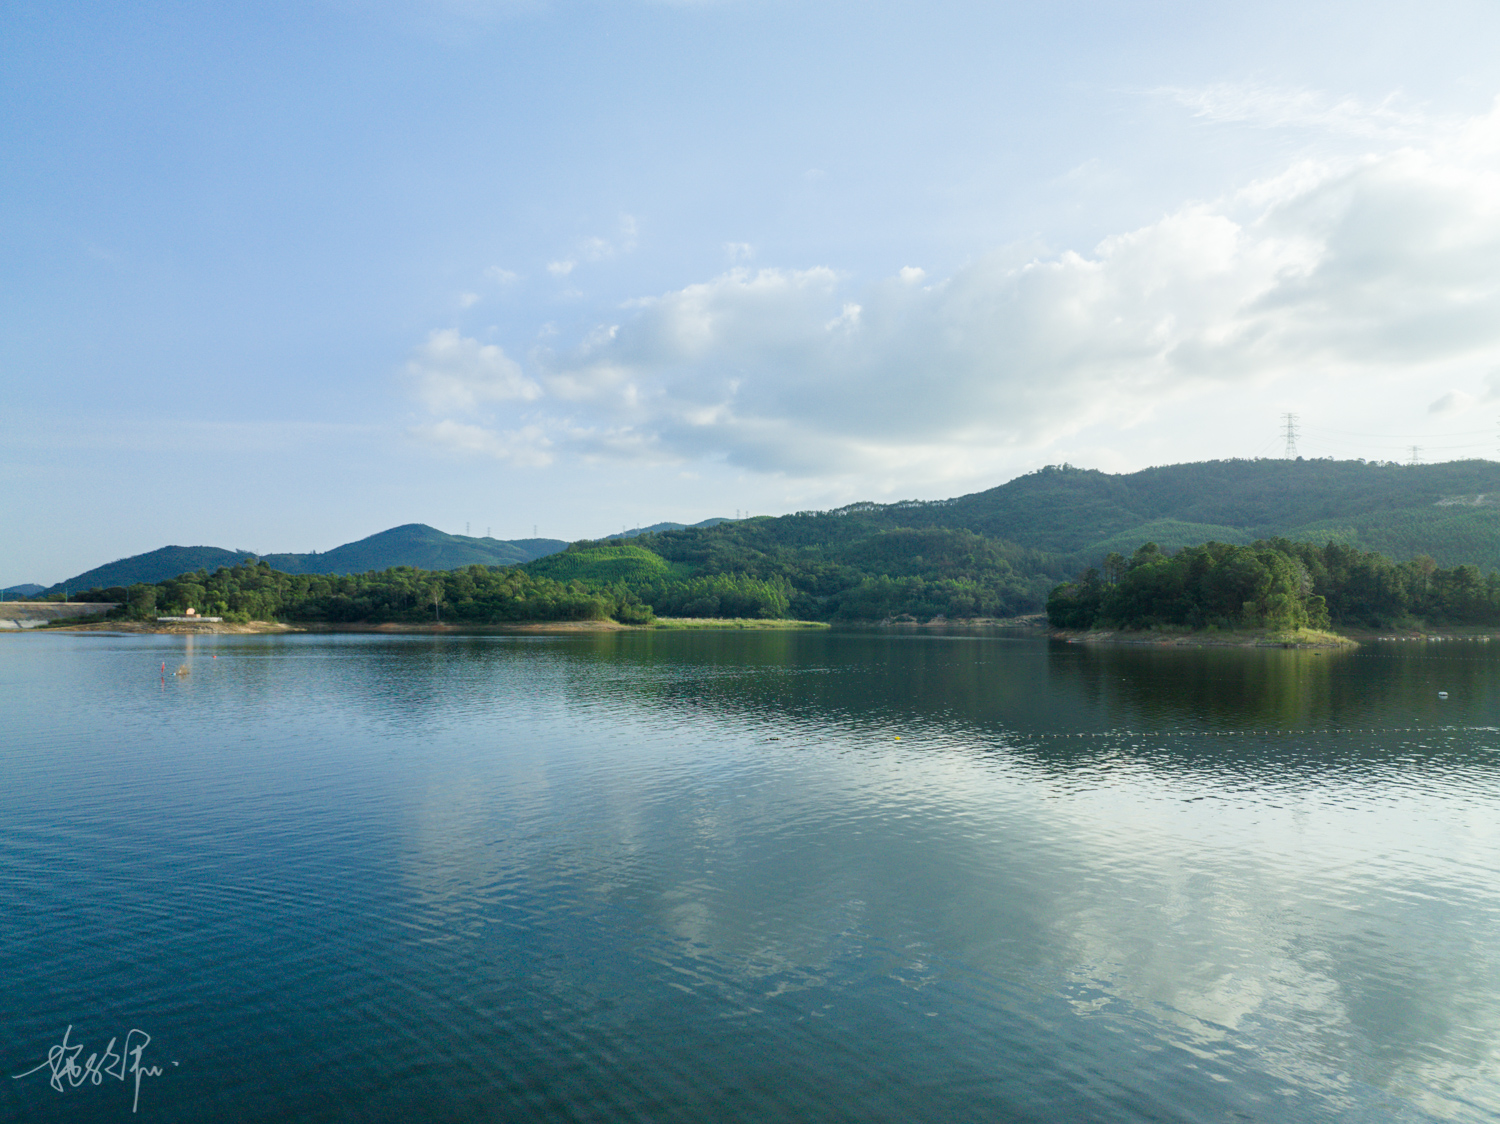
[(1030, 620), (661, 623), (748, 624), (1476, 632), (1164, 638), (434, 628), (173, 628)]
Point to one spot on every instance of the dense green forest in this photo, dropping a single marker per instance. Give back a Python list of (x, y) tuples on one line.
[(869, 575), (475, 595), (1275, 584), (1449, 511), (1070, 510), (841, 566)]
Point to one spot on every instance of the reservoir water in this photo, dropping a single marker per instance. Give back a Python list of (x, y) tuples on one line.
[(720, 876)]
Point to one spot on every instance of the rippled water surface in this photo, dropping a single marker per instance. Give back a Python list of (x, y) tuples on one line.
[(747, 877)]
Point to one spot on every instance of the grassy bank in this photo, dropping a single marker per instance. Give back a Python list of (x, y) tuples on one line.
[(752, 623)]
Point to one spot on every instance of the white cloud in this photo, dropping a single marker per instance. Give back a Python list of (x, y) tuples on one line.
[(501, 276), (468, 300), (1383, 267), (560, 268), (738, 252), (454, 372), (847, 319)]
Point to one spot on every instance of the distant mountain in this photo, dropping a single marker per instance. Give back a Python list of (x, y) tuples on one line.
[(414, 544), (29, 589), (655, 527), (155, 566)]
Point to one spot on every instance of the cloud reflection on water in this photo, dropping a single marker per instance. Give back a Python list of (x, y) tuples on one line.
[(1326, 901)]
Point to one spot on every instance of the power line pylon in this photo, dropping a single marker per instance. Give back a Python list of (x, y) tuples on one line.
[(1416, 454), (1290, 422)]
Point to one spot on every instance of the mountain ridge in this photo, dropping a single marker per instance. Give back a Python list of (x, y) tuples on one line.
[(411, 544), (1059, 518), (1399, 510)]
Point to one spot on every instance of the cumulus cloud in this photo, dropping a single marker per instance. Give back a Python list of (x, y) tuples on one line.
[(451, 372), (1386, 265)]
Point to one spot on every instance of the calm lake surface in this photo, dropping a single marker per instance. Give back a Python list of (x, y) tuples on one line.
[(747, 877)]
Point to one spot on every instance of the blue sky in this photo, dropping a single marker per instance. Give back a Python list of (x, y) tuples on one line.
[(279, 276)]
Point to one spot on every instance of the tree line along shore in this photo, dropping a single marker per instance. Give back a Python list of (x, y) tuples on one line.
[(1275, 585), (1270, 585)]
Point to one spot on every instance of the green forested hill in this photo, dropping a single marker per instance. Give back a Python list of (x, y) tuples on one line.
[(154, 566), (1453, 535), (1001, 548), (991, 553), (1169, 534), (414, 544), (602, 564), (1085, 514), (848, 565), (1069, 510)]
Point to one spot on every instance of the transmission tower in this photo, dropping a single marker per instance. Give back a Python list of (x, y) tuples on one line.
[(1416, 454), (1289, 421)]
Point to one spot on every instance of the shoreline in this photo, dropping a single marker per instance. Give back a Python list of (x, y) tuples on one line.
[(272, 628), (1346, 640), (1306, 639)]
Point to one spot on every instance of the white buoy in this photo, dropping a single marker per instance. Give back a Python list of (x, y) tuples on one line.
[(1442, 694)]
